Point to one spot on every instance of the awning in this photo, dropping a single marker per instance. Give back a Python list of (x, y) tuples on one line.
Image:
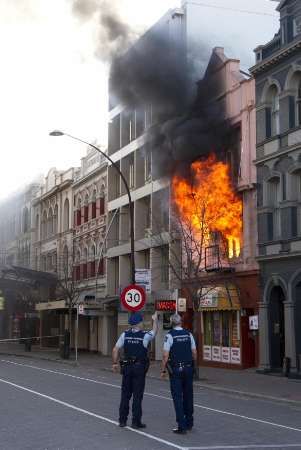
[(219, 298)]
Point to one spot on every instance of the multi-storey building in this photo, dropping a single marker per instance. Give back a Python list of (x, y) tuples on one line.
[(52, 241), (98, 327), (277, 73), (15, 227), (231, 274), (129, 147)]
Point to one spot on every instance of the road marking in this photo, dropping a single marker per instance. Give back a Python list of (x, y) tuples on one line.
[(265, 422), (242, 447), (90, 413)]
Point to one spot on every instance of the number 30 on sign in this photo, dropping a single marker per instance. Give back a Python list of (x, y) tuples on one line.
[(133, 297)]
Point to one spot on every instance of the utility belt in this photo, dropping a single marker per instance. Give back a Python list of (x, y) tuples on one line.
[(177, 365), (130, 361)]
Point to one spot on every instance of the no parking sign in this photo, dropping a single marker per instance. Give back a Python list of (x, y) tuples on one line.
[(133, 297)]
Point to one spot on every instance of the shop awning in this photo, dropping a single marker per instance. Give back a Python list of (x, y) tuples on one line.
[(219, 298)]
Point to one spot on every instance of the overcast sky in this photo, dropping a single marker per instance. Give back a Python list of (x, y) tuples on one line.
[(50, 77)]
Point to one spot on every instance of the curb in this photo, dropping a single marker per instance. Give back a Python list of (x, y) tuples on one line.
[(232, 391), (42, 358), (156, 377)]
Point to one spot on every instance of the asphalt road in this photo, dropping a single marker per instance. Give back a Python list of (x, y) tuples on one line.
[(52, 406)]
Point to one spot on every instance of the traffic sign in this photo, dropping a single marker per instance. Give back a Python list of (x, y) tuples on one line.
[(133, 297), (81, 309)]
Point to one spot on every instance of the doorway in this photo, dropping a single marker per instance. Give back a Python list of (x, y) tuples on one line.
[(297, 325), (277, 328)]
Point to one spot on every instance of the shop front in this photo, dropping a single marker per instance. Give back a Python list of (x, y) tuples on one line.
[(227, 340)]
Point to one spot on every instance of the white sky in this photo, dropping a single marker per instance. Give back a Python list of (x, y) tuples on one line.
[(50, 79)]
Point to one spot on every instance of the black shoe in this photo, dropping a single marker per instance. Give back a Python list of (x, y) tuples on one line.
[(122, 424), (179, 431), (189, 428), (138, 425)]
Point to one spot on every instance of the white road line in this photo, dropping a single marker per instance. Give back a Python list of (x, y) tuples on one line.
[(89, 413), (242, 447), (265, 422)]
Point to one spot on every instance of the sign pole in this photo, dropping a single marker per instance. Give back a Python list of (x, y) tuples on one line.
[(76, 332)]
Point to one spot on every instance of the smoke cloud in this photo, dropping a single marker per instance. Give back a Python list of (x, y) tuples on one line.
[(160, 70), (113, 35)]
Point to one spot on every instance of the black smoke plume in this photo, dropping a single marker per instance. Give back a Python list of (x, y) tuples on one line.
[(160, 70)]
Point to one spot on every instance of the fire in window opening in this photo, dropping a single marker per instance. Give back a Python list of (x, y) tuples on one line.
[(207, 207)]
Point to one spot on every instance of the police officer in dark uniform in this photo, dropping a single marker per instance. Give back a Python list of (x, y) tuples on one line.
[(135, 364), (179, 354)]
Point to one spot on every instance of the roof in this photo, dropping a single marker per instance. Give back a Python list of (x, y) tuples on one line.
[(281, 4)]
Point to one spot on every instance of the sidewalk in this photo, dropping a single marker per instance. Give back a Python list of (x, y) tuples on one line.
[(241, 382)]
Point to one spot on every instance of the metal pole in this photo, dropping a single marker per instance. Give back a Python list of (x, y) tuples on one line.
[(76, 333), (131, 207)]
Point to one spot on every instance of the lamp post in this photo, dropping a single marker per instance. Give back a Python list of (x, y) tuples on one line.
[(131, 209)]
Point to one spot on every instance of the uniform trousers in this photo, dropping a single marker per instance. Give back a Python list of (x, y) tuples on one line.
[(181, 386), (133, 384)]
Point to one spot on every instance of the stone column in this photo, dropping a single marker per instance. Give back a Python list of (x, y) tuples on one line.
[(264, 338), (290, 342)]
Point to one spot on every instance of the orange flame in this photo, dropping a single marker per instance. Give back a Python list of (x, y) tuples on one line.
[(208, 203)]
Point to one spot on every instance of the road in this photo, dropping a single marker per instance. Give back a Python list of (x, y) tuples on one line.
[(52, 406)]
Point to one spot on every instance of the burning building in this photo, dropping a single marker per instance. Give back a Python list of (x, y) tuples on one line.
[(166, 137), (214, 210)]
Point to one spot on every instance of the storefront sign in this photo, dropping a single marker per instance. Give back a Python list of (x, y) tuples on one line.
[(165, 305), (253, 322), (208, 298), (60, 304), (226, 355), (235, 355), (181, 304), (206, 352), (216, 353), (143, 278)]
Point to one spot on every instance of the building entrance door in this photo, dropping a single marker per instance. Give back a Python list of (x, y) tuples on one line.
[(297, 324), (277, 328)]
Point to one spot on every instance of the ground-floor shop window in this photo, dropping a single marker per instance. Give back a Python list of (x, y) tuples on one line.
[(221, 336)]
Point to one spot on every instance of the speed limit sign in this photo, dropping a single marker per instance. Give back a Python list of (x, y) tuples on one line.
[(133, 297)]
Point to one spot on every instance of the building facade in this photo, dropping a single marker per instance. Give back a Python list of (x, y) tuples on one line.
[(52, 245), (98, 325), (231, 276), (15, 227), (278, 89)]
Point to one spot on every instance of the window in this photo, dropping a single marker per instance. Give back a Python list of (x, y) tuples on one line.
[(147, 166), (272, 112), (298, 103), (297, 26), (50, 223), (66, 215), (275, 115), (131, 173), (25, 224), (164, 264), (86, 209), (94, 205)]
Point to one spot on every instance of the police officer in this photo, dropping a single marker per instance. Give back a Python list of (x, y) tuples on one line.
[(179, 354), (135, 342)]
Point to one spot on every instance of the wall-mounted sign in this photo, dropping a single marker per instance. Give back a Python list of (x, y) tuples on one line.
[(235, 355), (182, 304), (253, 322), (208, 297), (226, 355), (216, 353), (207, 352), (143, 278), (165, 305)]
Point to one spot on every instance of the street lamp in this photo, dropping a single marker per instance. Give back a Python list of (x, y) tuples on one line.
[(131, 208)]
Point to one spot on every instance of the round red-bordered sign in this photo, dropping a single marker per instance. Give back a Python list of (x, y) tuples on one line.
[(133, 297)]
